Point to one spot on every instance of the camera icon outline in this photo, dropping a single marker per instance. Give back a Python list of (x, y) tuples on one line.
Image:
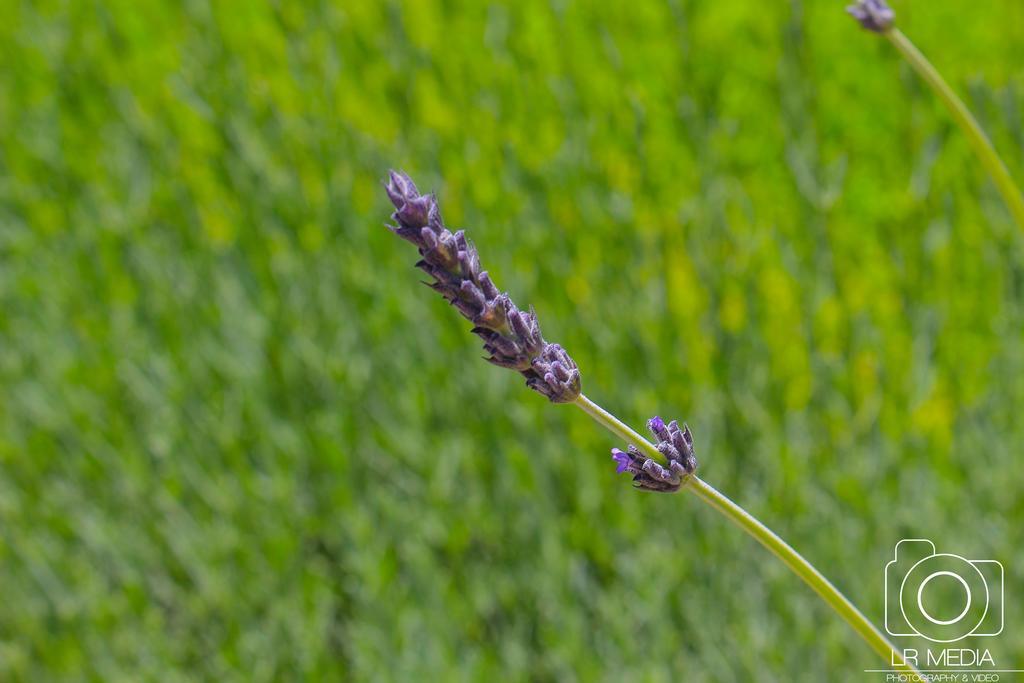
[(979, 629)]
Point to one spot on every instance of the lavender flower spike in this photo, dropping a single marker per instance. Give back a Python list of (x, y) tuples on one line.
[(675, 444), (874, 15), (511, 336)]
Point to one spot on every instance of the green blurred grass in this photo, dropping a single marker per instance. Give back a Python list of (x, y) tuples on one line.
[(239, 442)]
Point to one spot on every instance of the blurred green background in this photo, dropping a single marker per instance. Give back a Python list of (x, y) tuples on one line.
[(239, 441)]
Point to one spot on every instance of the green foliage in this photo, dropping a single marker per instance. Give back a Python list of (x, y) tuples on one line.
[(239, 442)]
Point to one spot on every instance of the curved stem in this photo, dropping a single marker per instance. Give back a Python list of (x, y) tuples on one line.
[(979, 141), (763, 535)]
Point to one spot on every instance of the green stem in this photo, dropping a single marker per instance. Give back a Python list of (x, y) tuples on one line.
[(763, 535), (979, 141)]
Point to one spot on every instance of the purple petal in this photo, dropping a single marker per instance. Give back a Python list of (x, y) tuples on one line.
[(621, 458)]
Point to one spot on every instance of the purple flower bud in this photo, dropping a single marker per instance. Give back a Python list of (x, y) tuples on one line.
[(428, 239), (677, 447), (506, 352), (434, 216), (399, 187), (525, 327), (490, 291), (657, 427), (470, 300), (874, 15), (472, 294), (494, 314), (647, 474), (412, 210), (682, 445), (664, 480), (555, 375)]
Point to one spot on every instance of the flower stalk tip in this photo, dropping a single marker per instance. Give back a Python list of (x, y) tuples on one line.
[(511, 337), (873, 15)]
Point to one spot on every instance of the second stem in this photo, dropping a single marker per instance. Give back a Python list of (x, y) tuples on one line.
[(763, 535), (979, 141)]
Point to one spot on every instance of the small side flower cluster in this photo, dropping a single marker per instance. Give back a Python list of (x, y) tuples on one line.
[(677, 447), (874, 15), (512, 337)]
